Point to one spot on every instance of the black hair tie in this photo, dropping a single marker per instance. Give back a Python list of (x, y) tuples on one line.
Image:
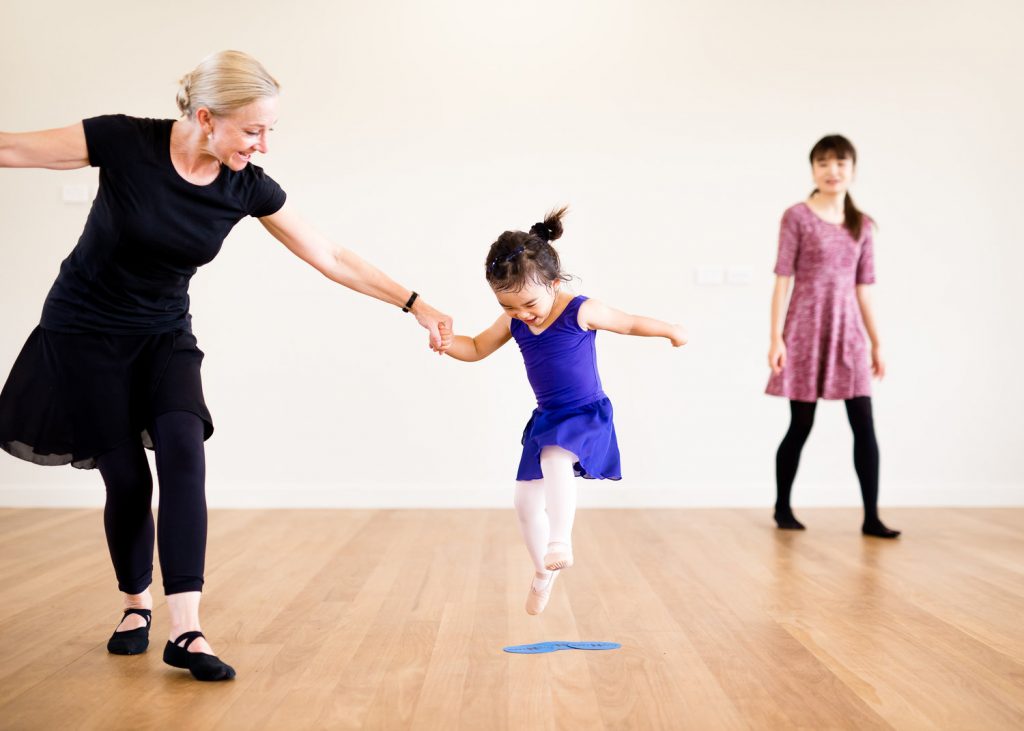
[(542, 230)]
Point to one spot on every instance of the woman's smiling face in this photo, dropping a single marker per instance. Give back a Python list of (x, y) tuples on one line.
[(235, 138), (832, 175)]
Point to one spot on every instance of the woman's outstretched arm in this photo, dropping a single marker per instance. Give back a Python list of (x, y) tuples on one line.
[(55, 149), (349, 270)]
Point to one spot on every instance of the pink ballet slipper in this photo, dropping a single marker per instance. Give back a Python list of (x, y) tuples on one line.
[(537, 599), (558, 560)]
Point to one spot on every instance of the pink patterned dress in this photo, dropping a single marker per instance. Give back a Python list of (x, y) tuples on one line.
[(827, 353)]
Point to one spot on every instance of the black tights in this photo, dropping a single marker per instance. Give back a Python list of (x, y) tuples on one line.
[(128, 517), (865, 453)]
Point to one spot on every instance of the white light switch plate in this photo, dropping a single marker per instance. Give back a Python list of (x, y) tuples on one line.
[(709, 276), (739, 275)]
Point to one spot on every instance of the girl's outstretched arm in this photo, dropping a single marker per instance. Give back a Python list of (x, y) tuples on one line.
[(470, 349), (594, 315)]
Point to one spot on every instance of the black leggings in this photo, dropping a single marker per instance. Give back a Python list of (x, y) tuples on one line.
[(865, 452), (128, 517)]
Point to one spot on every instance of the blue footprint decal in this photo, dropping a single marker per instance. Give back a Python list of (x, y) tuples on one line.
[(544, 647)]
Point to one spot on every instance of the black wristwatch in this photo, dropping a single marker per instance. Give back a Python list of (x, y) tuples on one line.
[(408, 305)]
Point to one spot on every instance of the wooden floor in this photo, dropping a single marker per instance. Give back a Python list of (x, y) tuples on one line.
[(397, 619)]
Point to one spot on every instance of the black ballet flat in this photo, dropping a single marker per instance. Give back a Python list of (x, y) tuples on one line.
[(787, 521), (200, 664), (132, 641), (879, 530)]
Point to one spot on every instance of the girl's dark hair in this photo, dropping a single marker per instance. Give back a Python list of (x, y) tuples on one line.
[(518, 258), (842, 148)]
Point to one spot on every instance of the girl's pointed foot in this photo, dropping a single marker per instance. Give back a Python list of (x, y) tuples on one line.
[(540, 592)]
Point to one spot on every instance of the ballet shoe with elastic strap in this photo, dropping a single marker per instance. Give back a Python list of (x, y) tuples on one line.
[(537, 599), (203, 666), (131, 641)]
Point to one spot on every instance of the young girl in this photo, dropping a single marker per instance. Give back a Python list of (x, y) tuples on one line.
[(826, 245), (571, 431)]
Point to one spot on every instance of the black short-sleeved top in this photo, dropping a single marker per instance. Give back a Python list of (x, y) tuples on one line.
[(148, 231)]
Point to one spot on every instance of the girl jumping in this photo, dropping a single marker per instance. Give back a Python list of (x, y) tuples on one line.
[(570, 432)]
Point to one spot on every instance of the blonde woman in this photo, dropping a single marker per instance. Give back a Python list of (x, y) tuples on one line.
[(113, 364)]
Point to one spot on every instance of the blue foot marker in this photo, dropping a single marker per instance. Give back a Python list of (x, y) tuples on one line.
[(544, 647), (594, 645), (536, 649)]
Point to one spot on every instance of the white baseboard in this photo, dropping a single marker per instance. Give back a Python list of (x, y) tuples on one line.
[(592, 495)]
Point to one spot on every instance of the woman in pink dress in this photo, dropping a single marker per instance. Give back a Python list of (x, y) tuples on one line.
[(820, 352)]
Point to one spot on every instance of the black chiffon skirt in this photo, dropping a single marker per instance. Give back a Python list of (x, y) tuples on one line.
[(72, 397)]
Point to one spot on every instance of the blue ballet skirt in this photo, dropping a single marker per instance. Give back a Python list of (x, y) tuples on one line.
[(585, 430), (572, 411)]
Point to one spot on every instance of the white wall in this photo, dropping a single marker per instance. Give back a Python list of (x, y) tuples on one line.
[(415, 132)]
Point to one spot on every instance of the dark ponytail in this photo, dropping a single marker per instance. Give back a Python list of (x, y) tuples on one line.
[(853, 217), (518, 258), (842, 148)]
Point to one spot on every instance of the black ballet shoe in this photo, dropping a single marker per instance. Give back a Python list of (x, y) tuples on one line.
[(787, 521), (132, 641), (878, 530), (200, 664)]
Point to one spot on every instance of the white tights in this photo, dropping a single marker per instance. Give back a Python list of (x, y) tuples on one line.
[(547, 507)]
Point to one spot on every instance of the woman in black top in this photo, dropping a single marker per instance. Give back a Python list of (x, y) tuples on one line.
[(113, 364)]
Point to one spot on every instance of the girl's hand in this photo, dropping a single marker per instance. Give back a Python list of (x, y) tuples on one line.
[(431, 319), (877, 363), (777, 356), (446, 339), (678, 336)]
